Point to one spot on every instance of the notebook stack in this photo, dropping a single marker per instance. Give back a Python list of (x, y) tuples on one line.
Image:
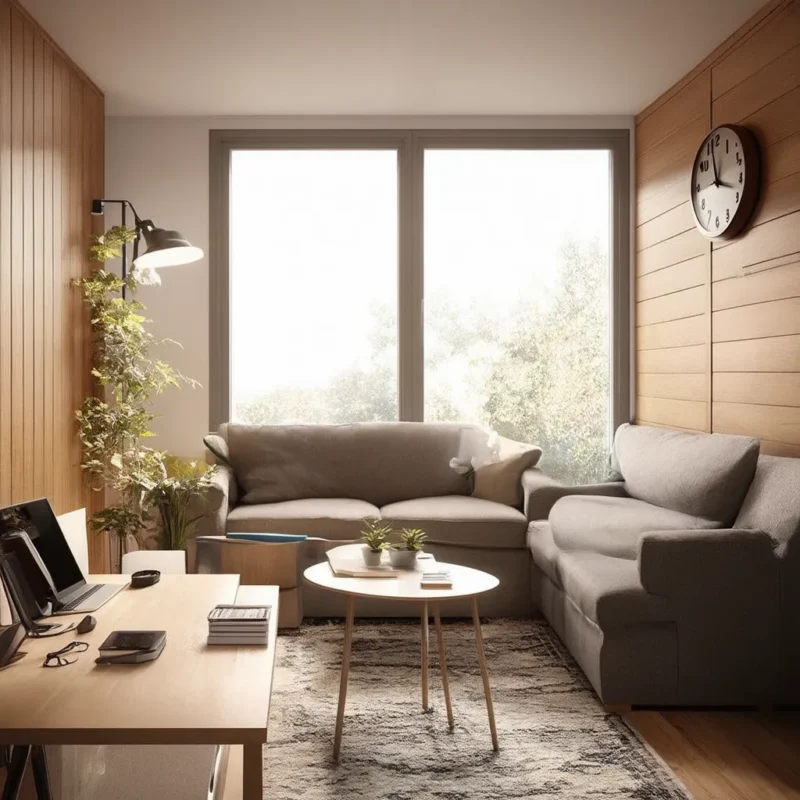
[(237, 625), (436, 579)]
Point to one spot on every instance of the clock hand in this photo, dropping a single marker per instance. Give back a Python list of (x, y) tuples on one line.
[(714, 162)]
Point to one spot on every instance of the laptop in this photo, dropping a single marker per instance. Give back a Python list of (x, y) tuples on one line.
[(74, 594)]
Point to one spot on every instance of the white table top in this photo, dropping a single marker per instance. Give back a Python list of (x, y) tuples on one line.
[(467, 582)]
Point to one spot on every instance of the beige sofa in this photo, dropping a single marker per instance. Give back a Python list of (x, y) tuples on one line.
[(323, 480)]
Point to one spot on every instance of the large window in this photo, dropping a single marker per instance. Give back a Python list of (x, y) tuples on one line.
[(313, 284), (517, 298), (475, 277)]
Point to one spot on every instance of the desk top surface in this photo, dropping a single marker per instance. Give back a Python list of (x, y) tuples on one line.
[(191, 694)]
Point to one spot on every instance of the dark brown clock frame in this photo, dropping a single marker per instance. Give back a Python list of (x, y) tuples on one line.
[(751, 153)]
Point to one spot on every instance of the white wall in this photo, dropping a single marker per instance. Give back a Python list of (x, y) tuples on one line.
[(160, 164)]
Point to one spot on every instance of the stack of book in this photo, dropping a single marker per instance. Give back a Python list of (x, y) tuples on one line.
[(436, 579), (236, 625)]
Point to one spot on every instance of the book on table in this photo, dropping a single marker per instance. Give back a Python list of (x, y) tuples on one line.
[(436, 578), (239, 625), (353, 566)]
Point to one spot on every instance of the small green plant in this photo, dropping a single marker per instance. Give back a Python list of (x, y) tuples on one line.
[(173, 496), (375, 534), (411, 539)]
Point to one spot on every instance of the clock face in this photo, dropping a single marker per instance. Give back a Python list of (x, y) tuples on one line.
[(725, 181)]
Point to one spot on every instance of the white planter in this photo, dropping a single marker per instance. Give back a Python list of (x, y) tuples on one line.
[(403, 559), (372, 558)]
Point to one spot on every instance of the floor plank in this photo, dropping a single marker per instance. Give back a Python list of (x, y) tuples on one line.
[(727, 755)]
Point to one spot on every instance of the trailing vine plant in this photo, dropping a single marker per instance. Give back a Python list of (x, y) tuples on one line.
[(114, 426)]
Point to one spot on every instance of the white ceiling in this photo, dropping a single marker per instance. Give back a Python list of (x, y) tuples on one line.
[(230, 57)]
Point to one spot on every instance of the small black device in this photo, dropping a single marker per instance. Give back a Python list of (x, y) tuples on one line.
[(86, 625), (11, 637), (28, 576), (145, 577)]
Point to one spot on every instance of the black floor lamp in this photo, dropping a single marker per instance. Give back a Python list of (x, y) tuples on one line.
[(164, 248)]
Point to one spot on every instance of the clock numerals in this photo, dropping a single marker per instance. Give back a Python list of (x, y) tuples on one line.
[(741, 177), (737, 197), (738, 159), (727, 215), (716, 221), (703, 205)]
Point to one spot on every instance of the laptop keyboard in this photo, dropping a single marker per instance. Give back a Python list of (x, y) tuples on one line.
[(75, 602)]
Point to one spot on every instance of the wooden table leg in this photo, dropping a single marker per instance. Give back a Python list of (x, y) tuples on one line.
[(443, 664), (252, 772), (348, 641), (476, 620), (424, 659)]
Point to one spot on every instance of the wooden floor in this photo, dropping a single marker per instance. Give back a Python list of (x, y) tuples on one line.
[(727, 755)]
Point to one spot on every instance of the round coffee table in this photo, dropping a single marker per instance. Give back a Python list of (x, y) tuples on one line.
[(467, 583)]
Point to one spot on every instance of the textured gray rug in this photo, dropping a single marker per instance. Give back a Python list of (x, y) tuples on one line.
[(556, 741)]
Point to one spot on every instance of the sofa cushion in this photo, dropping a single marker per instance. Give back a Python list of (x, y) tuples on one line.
[(608, 591), (466, 521), (773, 503), (329, 518), (704, 475), (501, 482), (218, 448), (544, 550), (613, 525), (378, 462)]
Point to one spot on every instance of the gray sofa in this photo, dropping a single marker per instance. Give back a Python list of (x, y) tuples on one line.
[(323, 480), (678, 583), (675, 583)]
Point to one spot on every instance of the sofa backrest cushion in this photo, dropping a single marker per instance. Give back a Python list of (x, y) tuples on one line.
[(773, 503), (705, 475), (377, 462)]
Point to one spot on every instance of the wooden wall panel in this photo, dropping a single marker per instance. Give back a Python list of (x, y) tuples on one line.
[(51, 166), (718, 326)]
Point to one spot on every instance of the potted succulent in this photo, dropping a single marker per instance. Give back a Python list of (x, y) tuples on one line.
[(403, 554), (375, 536)]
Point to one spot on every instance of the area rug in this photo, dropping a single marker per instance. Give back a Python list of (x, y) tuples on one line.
[(556, 741)]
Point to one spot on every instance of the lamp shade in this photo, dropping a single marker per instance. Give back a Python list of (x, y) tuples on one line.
[(165, 248)]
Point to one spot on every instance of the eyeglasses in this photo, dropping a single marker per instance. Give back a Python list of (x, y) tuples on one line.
[(60, 659)]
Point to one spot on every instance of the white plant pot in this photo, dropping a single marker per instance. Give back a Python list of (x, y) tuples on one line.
[(403, 559), (372, 558)]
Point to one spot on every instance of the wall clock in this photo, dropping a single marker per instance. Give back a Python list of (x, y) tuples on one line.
[(726, 180)]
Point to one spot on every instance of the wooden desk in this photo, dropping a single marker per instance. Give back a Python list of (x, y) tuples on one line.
[(192, 694)]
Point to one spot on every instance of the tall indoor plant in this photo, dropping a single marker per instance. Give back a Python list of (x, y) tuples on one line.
[(114, 425)]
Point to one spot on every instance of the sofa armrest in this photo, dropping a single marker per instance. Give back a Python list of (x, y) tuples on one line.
[(677, 562), (723, 588), (540, 492), (211, 509)]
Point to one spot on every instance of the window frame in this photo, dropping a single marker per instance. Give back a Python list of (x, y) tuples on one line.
[(411, 146)]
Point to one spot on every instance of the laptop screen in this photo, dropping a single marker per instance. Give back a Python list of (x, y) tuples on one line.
[(37, 519)]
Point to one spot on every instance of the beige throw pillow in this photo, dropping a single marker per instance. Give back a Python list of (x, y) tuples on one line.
[(501, 482)]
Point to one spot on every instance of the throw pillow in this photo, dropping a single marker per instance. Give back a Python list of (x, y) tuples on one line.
[(218, 448), (501, 482)]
